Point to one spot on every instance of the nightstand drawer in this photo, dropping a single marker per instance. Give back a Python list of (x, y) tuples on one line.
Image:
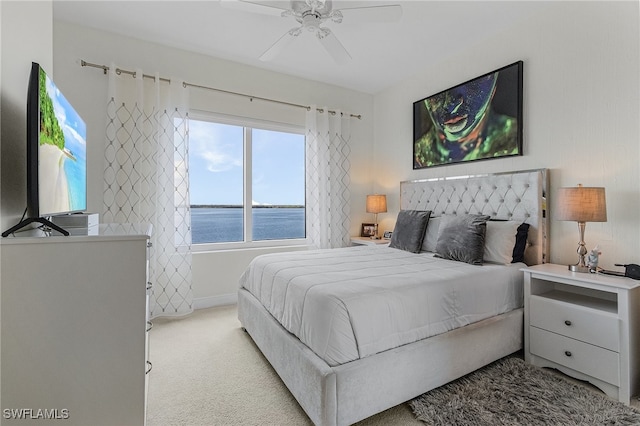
[(575, 321), (597, 362)]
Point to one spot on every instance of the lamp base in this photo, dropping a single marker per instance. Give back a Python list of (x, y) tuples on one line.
[(578, 268)]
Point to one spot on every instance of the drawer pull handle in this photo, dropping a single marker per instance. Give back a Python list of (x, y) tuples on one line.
[(567, 353), (150, 367), (567, 323)]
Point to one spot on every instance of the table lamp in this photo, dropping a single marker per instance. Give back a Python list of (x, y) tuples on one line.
[(376, 203), (581, 204)]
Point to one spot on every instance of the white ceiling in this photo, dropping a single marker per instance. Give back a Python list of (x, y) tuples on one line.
[(382, 53)]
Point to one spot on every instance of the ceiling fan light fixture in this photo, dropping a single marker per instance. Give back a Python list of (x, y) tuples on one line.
[(295, 32), (336, 16), (322, 33)]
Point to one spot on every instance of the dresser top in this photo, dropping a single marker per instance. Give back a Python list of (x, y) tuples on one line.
[(105, 231)]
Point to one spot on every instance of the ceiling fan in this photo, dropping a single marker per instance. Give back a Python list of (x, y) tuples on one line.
[(311, 14)]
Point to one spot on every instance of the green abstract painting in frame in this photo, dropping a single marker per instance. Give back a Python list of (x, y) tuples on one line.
[(480, 119)]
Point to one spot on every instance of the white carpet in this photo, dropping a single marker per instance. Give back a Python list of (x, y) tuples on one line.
[(207, 371)]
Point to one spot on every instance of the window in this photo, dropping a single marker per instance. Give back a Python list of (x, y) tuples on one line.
[(225, 154)]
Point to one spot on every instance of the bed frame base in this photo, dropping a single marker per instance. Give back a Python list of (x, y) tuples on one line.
[(350, 392)]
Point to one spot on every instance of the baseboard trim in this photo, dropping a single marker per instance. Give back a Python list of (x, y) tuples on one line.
[(213, 301)]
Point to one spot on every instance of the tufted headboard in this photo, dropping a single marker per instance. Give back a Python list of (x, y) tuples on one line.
[(520, 196)]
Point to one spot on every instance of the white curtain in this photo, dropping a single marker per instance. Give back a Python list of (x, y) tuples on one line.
[(328, 196), (146, 179)]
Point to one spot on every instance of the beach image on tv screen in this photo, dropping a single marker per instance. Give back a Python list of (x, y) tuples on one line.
[(62, 153)]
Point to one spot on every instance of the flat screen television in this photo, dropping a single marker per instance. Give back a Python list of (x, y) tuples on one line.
[(56, 153)]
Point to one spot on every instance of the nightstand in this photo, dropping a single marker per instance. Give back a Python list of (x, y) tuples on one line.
[(585, 325), (366, 241)]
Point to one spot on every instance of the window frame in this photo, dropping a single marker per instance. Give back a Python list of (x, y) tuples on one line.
[(248, 124)]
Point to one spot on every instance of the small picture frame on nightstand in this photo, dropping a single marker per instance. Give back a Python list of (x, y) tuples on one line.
[(368, 230), (387, 235)]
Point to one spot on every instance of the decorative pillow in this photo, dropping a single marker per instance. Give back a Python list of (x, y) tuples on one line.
[(521, 243), (409, 230), (461, 238), (500, 241), (431, 235)]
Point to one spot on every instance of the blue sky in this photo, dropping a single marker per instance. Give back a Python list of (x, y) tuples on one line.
[(216, 159), (72, 124)]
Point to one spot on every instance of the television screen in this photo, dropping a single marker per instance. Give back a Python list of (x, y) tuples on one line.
[(61, 151)]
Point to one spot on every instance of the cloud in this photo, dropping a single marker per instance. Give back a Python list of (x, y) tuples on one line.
[(206, 140), (70, 131), (218, 161), (54, 94)]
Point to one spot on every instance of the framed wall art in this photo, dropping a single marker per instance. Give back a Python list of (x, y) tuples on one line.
[(480, 119)]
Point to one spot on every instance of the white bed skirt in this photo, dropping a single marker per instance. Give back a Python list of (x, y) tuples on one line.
[(350, 392)]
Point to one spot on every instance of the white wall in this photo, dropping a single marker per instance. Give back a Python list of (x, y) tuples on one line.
[(0, 197), (27, 29), (581, 116), (25, 36), (215, 274)]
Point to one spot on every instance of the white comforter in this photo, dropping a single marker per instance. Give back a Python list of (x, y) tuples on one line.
[(350, 303)]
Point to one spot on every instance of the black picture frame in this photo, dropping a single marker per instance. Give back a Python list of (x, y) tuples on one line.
[(479, 119)]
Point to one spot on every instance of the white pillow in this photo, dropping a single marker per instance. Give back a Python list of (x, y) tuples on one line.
[(499, 240), (431, 235)]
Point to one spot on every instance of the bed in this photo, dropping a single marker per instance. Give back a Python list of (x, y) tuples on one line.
[(351, 331)]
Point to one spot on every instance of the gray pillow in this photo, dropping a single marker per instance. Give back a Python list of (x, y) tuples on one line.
[(431, 235), (409, 230), (461, 238)]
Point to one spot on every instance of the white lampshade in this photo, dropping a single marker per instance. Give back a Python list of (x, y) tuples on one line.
[(376, 203), (581, 204)]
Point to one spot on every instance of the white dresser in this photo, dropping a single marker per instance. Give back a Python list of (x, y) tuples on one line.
[(585, 325), (74, 327)]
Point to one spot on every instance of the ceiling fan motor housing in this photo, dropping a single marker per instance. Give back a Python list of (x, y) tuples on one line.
[(311, 20)]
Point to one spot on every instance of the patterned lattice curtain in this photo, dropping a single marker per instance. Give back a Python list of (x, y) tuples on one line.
[(328, 196), (146, 178)]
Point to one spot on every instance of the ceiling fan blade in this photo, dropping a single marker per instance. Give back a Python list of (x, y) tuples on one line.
[(253, 7), (281, 44), (333, 46), (388, 13)]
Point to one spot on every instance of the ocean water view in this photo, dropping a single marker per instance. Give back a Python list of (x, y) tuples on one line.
[(225, 224), (75, 170)]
